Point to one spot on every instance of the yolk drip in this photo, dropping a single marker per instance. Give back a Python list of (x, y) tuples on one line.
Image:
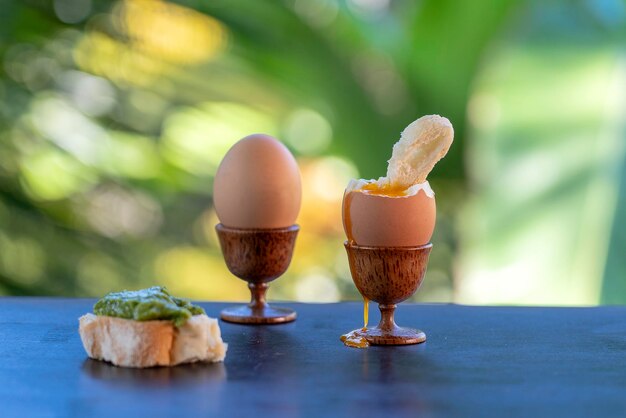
[(366, 303), (347, 200), (357, 338)]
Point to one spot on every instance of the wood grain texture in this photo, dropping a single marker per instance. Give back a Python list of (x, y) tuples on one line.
[(257, 256), (388, 275)]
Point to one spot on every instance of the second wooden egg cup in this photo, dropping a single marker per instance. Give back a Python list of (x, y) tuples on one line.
[(388, 275), (257, 256)]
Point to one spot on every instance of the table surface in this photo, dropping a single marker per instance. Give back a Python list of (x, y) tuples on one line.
[(478, 361)]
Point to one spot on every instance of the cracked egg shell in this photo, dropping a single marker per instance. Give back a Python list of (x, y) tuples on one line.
[(385, 221), (257, 185)]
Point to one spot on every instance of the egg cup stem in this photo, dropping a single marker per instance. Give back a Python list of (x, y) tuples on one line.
[(387, 322), (257, 292), (257, 256), (388, 333)]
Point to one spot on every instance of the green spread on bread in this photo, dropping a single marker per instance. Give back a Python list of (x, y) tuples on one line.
[(153, 303)]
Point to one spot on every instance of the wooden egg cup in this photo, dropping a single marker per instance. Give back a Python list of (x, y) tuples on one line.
[(388, 275), (257, 256)]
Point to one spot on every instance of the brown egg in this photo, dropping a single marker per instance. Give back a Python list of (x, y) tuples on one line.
[(386, 221), (257, 185)]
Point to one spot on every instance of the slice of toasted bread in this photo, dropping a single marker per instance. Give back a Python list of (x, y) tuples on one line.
[(130, 343)]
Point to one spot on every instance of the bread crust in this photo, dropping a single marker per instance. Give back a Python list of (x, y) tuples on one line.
[(130, 343)]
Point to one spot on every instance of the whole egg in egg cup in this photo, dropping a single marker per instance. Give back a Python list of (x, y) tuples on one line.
[(257, 194), (257, 257)]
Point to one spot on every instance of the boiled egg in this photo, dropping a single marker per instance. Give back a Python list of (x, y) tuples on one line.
[(399, 210), (377, 220), (257, 185)]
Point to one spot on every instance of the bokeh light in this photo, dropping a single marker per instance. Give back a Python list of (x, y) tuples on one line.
[(114, 117)]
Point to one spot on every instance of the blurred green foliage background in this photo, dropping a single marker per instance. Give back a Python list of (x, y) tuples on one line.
[(115, 115)]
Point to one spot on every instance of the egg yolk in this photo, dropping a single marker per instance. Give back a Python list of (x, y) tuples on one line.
[(355, 339), (389, 190)]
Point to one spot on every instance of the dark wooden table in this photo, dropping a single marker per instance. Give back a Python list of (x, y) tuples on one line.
[(478, 361)]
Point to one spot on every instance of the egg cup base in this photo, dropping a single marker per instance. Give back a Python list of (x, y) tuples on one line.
[(395, 336), (246, 314)]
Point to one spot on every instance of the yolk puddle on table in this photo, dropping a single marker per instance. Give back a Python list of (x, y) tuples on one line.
[(356, 338)]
